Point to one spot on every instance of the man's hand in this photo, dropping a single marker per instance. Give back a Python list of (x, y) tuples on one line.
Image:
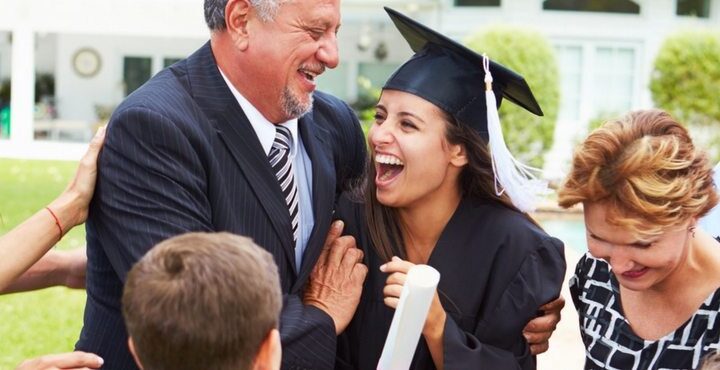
[(538, 331), (73, 360), (336, 280)]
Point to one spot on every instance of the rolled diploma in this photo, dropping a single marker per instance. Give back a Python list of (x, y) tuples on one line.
[(409, 318)]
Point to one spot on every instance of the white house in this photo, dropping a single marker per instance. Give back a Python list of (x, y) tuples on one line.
[(100, 50)]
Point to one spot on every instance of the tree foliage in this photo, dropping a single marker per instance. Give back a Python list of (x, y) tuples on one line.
[(686, 83), (528, 53), (686, 76)]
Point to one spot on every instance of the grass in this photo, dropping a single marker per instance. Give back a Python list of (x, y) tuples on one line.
[(49, 320)]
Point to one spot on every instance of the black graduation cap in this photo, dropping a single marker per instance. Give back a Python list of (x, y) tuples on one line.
[(451, 76), (457, 80)]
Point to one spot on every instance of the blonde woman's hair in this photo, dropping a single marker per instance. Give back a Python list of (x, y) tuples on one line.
[(645, 167)]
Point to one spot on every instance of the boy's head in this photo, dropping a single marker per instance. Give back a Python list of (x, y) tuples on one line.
[(204, 301)]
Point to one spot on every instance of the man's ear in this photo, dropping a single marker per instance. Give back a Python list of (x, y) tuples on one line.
[(269, 355), (131, 345), (458, 155), (237, 14)]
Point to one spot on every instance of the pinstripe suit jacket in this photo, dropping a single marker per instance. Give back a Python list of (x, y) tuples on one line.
[(181, 156)]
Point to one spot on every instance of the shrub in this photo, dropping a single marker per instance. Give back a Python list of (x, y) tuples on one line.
[(368, 96), (686, 83), (686, 76), (528, 53)]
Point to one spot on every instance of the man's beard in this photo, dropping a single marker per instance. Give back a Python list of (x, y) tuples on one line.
[(292, 106)]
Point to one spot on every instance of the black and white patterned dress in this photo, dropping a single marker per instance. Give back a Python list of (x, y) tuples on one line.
[(610, 342)]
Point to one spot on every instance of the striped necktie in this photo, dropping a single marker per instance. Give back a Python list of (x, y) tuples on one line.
[(280, 162)]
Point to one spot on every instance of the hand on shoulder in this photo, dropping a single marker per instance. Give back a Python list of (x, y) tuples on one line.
[(337, 279), (71, 207)]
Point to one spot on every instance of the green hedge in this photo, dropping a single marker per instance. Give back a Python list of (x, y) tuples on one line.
[(686, 79), (530, 54), (686, 83)]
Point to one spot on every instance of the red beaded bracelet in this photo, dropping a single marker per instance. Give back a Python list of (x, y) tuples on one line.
[(57, 222)]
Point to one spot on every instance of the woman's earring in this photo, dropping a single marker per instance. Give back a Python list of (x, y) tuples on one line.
[(692, 231)]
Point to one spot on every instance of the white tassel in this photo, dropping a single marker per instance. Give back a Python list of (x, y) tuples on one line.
[(511, 176)]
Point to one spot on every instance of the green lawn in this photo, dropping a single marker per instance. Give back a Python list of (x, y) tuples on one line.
[(49, 320)]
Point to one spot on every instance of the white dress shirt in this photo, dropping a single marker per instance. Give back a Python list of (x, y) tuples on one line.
[(302, 166)]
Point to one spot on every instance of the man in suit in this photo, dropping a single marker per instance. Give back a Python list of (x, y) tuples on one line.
[(191, 150)]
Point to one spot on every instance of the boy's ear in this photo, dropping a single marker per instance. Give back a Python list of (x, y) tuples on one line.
[(270, 353), (131, 345)]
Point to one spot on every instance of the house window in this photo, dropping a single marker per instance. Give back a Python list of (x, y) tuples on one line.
[(136, 71), (695, 8), (477, 2), (605, 6), (613, 87), (570, 63), (167, 62)]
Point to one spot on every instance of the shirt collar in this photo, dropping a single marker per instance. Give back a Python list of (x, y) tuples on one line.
[(264, 129)]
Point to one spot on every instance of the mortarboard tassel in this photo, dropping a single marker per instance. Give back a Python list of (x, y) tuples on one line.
[(511, 176)]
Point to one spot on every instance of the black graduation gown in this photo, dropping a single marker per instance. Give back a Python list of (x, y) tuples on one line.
[(496, 268)]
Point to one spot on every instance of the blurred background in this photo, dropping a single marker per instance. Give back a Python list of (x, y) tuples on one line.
[(66, 64)]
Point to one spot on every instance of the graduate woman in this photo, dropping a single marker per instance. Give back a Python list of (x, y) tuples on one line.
[(432, 198)]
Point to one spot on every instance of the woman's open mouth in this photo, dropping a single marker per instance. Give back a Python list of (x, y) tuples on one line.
[(388, 167)]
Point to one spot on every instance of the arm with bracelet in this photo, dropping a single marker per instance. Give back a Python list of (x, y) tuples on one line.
[(26, 263)]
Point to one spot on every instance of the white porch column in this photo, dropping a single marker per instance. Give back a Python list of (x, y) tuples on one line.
[(23, 85)]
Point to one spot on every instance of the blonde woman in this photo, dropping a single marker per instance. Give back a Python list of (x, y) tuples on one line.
[(647, 291)]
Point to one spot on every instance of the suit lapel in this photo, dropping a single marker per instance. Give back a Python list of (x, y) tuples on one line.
[(323, 192), (215, 98)]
